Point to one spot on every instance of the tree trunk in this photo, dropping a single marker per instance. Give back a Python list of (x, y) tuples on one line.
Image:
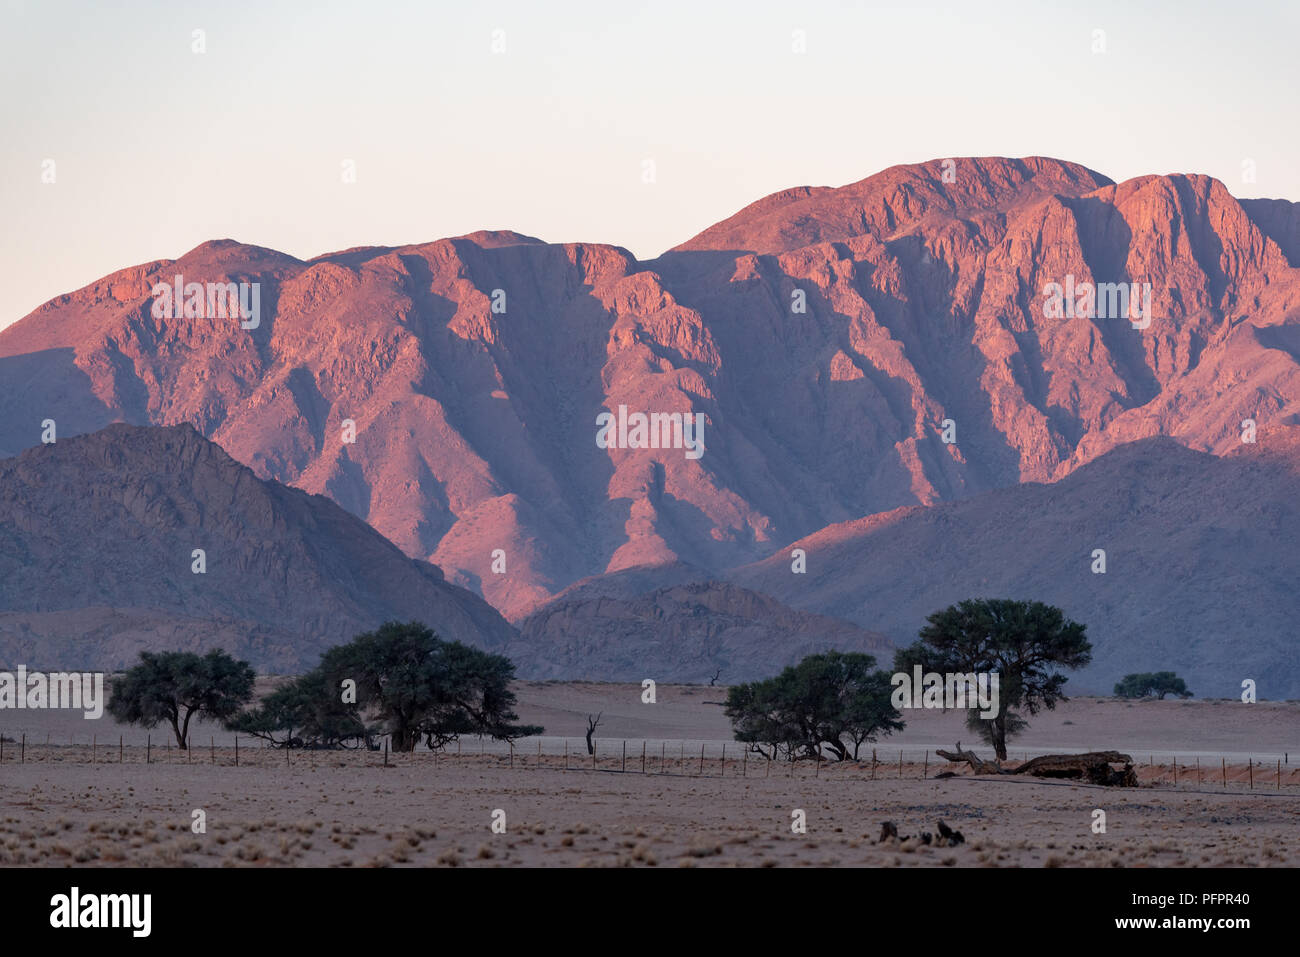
[(1093, 766), (999, 730), (841, 752)]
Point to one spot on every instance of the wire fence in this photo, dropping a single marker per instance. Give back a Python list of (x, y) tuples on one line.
[(657, 756)]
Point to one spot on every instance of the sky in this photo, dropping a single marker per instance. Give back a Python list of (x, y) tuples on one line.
[(638, 124)]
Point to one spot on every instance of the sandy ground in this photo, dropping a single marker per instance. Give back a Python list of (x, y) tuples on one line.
[(65, 804), (693, 714)]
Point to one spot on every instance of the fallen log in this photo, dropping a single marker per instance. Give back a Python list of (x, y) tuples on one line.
[(1095, 767), (978, 765), (1092, 766)]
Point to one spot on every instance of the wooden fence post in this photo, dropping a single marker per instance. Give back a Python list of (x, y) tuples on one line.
[(22, 751), (236, 750), (1250, 767), (701, 771), (624, 770), (148, 749), (925, 769), (643, 756)]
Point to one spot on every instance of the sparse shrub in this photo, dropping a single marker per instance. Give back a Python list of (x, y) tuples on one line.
[(1152, 683)]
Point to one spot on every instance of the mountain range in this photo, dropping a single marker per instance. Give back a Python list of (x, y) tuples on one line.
[(853, 351)]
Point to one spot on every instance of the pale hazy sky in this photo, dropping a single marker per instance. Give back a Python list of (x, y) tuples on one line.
[(158, 148)]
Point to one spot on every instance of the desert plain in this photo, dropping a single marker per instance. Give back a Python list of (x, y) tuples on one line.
[(667, 787)]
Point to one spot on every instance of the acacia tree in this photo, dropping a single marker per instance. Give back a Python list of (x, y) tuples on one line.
[(306, 712), (817, 703), (401, 680), (392, 672), (474, 695), (758, 718), (1023, 641), (175, 686), (868, 709), (1158, 683)]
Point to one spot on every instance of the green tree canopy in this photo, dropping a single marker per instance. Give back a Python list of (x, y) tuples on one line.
[(1023, 641), (174, 686), (400, 680), (822, 701), (306, 712)]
